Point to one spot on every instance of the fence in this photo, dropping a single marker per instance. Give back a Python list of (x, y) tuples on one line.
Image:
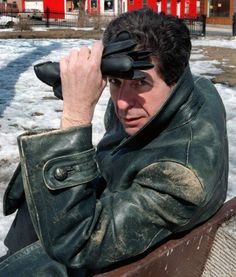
[(72, 19), (196, 25), (54, 19), (234, 25)]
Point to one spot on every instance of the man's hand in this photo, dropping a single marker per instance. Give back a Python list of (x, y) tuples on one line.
[(119, 60), (82, 85)]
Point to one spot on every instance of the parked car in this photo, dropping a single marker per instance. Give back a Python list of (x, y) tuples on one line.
[(8, 21), (31, 14)]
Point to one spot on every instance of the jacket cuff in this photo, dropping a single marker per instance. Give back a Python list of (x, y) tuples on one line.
[(64, 157)]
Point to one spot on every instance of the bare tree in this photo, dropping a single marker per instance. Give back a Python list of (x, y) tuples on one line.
[(80, 5)]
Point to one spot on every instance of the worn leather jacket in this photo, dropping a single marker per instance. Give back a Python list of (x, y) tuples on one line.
[(92, 209)]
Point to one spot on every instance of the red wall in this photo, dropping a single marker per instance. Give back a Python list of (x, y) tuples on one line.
[(93, 10), (191, 11), (138, 4), (193, 8), (56, 8), (22, 5)]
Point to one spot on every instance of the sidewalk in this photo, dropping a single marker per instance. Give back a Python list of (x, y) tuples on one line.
[(219, 30)]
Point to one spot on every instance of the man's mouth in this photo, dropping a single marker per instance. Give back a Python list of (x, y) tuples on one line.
[(131, 120)]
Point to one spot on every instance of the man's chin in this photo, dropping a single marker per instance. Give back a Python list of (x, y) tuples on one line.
[(133, 126), (131, 130)]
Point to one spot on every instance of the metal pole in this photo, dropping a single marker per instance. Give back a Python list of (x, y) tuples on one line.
[(47, 17), (234, 25), (203, 19)]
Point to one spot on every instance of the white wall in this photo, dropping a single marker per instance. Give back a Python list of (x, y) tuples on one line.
[(34, 5)]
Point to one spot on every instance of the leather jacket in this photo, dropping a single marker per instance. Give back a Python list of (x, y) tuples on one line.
[(92, 209)]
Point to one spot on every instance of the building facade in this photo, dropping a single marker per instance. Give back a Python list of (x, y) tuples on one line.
[(181, 8), (32, 4), (216, 11)]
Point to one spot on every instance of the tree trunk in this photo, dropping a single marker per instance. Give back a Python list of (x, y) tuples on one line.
[(82, 17)]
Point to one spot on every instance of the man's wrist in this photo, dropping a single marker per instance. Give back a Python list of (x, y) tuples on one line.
[(79, 119), (67, 122)]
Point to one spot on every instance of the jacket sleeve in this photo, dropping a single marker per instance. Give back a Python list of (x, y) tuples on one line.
[(14, 194), (79, 229)]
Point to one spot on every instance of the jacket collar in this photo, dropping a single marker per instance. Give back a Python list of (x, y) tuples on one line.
[(177, 110)]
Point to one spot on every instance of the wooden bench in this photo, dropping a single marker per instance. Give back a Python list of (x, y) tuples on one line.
[(208, 250)]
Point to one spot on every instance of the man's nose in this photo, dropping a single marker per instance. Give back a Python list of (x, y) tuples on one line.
[(125, 96)]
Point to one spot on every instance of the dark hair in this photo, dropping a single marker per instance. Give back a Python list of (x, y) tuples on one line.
[(166, 36)]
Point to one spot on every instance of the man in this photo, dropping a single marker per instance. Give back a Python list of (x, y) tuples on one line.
[(160, 169)]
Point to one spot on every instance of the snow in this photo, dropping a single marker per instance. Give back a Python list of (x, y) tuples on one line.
[(215, 42), (26, 103)]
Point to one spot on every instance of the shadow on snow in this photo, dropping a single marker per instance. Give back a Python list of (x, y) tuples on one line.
[(10, 73)]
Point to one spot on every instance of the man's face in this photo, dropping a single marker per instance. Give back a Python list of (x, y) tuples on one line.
[(137, 101)]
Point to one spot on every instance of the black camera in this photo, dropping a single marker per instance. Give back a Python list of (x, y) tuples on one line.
[(119, 60)]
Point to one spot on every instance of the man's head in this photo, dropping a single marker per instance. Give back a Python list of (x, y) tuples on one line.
[(167, 37)]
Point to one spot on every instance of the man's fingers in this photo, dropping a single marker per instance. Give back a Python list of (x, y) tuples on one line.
[(84, 53), (73, 60), (96, 52), (64, 64), (79, 58)]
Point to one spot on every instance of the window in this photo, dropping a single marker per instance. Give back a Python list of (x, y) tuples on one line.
[(198, 7), (76, 5), (131, 2), (108, 5), (168, 11), (93, 4), (218, 8), (186, 10)]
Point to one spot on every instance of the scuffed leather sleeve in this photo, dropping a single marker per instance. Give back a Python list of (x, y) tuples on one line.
[(80, 230), (14, 194)]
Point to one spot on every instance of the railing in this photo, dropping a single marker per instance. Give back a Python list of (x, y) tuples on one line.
[(196, 25), (55, 19), (74, 19)]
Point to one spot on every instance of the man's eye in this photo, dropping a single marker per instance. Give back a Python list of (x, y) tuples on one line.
[(115, 82), (141, 82)]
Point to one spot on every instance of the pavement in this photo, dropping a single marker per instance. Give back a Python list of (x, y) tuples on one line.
[(219, 30)]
